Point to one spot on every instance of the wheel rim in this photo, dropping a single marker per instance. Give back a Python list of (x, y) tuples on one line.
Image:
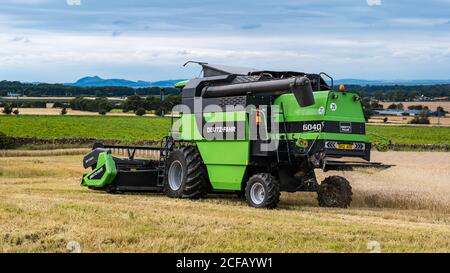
[(330, 197), (257, 193), (175, 175)]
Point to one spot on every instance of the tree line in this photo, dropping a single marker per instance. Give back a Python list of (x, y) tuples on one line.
[(25, 104), (383, 93), (137, 104), (134, 103), (61, 90)]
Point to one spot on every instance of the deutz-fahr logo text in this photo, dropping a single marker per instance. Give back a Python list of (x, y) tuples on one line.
[(345, 127), (221, 129)]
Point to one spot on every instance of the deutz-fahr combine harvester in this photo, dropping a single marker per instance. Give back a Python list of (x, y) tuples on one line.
[(248, 132)]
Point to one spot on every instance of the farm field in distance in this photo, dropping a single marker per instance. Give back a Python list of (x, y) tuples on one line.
[(400, 120), (432, 105), (134, 128), (410, 134), (404, 209), (70, 112)]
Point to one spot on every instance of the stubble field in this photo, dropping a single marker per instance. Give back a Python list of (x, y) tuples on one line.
[(43, 208)]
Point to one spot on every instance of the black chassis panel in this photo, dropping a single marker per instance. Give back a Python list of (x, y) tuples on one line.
[(327, 126), (136, 175), (302, 154), (139, 180)]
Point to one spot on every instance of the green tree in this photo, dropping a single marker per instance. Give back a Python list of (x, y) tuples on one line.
[(100, 104), (152, 103), (140, 112), (7, 109), (394, 106), (440, 111), (133, 103), (422, 118), (376, 105)]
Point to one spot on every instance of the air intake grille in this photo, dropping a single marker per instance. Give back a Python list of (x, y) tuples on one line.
[(239, 100), (245, 79)]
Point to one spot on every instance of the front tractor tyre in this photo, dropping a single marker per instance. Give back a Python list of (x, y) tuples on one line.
[(335, 191), (185, 175), (262, 191)]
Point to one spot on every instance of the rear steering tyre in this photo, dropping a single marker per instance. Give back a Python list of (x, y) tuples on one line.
[(185, 174), (335, 191), (262, 191)]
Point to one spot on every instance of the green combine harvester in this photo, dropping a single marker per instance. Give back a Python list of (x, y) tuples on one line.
[(249, 132)]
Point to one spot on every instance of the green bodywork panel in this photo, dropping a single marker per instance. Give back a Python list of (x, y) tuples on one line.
[(329, 106), (226, 160), (105, 165), (347, 108)]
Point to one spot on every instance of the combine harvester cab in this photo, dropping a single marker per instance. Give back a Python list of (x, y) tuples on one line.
[(248, 132)]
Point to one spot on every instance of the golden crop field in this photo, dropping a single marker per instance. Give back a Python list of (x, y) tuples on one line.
[(432, 105), (399, 120), (44, 209), (403, 120)]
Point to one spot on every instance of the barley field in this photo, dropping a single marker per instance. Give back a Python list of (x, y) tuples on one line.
[(396, 120), (432, 105), (43, 209)]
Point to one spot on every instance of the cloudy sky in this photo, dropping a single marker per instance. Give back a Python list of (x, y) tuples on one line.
[(63, 40)]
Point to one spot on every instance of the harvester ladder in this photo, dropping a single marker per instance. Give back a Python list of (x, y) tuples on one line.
[(288, 150), (166, 146)]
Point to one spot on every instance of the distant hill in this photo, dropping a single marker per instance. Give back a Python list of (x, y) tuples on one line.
[(96, 81), (95, 86)]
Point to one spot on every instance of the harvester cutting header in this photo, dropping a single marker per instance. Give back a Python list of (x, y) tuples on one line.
[(251, 132)]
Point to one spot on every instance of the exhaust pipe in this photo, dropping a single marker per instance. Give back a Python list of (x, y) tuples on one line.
[(300, 87)]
